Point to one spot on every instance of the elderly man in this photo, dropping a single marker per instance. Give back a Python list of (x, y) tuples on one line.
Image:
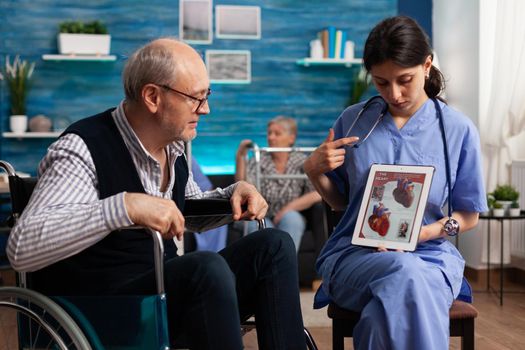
[(126, 167)]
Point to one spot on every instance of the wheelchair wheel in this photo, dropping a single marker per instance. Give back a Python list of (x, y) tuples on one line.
[(30, 320)]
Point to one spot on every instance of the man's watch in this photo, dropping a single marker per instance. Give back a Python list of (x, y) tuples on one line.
[(451, 227)]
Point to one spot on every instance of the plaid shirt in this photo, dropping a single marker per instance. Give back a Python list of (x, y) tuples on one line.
[(279, 192), (65, 214)]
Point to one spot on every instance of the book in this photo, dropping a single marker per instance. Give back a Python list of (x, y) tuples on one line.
[(343, 46), (338, 44), (331, 41), (324, 42)]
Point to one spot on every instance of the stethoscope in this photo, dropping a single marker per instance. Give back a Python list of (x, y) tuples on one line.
[(450, 223)]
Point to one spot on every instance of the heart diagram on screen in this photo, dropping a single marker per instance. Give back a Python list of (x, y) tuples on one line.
[(379, 221)]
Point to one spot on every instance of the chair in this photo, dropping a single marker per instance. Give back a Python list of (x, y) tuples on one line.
[(73, 323), (461, 314)]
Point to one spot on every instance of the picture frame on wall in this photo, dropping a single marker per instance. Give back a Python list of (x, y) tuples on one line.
[(238, 22), (229, 66), (195, 21)]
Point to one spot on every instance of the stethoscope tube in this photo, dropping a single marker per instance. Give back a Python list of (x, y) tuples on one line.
[(370, 102), (447, 160)]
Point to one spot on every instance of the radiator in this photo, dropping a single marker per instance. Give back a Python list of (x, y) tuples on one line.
[(518, 226)]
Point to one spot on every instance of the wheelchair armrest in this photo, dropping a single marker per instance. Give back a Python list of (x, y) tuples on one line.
[(208, 206), (206, 214)]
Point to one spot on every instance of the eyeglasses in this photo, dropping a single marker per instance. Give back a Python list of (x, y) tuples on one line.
[(200, 100)]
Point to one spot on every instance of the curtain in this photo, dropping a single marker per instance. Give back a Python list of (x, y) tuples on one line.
[(502, 124)]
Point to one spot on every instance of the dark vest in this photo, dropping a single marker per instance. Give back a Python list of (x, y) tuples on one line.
[(122, 254)]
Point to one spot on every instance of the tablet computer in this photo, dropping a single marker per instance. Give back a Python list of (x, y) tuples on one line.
[(393, 205)]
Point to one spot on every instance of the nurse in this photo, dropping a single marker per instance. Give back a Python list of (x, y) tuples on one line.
[(403, 297)]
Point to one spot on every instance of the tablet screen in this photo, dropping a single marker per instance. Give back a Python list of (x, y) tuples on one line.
[(393, 206)]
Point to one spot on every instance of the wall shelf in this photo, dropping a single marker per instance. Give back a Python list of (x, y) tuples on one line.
[(96, 58), (32, 135), (306, 62)]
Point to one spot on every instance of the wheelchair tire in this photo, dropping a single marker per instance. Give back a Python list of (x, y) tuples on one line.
[(44, 321)]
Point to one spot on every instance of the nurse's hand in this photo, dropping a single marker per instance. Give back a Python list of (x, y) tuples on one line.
[(382, 249), (328, 156), (432, 231)]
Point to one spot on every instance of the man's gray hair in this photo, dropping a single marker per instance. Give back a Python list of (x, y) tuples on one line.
[(151, 64), (289, 124)]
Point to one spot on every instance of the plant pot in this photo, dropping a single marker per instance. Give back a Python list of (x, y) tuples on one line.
[(514, 211), (18, 123), (504, 204), (498, 212), (84, 44)]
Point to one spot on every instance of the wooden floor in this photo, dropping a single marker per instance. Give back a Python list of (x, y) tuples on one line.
[(497, 327)]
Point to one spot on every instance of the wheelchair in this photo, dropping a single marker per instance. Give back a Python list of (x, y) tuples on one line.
[(30, 320)]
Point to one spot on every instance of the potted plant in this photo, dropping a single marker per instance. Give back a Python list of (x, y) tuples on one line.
[(498, 209), (514, 209), (505, 195), (83, 38), (361, 83), (18, 75), (490, 203)]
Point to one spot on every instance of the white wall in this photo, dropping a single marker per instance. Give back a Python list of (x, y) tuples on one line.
[(456, 36)]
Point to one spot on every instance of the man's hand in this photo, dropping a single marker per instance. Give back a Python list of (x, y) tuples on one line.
[(328, 156), (247, 194), (156, 213)]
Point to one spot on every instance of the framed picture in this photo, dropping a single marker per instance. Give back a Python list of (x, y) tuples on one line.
[(229, 66), (238, 22), (195, 24)]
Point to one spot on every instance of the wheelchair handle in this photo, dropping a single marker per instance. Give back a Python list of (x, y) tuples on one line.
[(261, 223), (158, 256), (8, 168)]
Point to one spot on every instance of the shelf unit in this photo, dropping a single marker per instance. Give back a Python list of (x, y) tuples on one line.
[(32, 135), (307, 62), (94, 58)]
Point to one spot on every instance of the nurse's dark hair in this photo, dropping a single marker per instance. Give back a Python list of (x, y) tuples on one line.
[(401, 40)]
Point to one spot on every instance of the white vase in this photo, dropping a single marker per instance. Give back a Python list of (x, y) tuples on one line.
[(18, 123), (498, 212), (514, 211), (349, 50), (316, 49)]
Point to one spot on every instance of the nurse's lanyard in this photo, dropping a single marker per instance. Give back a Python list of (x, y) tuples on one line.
[(451, 223)]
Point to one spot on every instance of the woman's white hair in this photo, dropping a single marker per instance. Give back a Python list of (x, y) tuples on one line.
[(289, 124)]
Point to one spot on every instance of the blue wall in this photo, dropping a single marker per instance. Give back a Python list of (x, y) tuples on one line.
[(420, 10), (73, 90)]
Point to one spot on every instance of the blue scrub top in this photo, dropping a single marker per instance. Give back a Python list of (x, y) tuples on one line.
[(418, 142)]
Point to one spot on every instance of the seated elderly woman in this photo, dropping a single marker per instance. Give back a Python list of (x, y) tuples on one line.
[(286, 197)]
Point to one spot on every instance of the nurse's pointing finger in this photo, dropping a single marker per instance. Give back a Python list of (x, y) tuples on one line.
[(345, 141)]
